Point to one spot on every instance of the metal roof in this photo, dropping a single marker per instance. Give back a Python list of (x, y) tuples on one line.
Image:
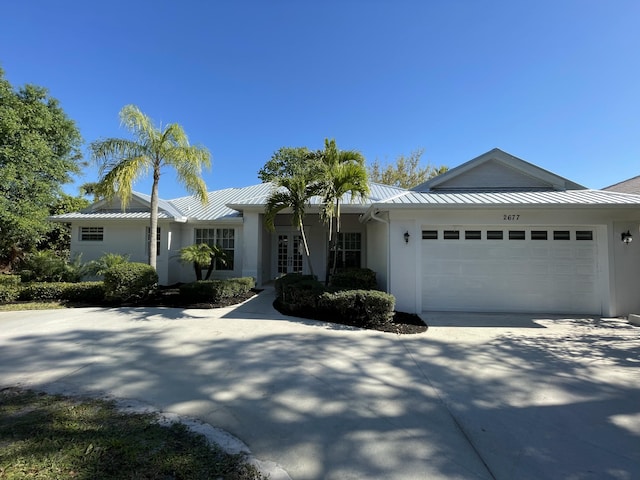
[(569, 197), (108, 216), (225, 204)]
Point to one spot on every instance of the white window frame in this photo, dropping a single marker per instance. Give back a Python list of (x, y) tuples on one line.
[(91, 234), (225, 238)]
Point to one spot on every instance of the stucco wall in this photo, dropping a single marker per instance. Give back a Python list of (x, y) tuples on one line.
[(619, 266), (626, 269), (377, 258)]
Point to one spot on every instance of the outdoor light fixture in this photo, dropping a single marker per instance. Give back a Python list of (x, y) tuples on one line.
[(406, 237), (626, 237)]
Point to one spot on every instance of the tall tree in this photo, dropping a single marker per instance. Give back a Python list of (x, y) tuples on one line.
[(39, 152), (123, 161), (286, 162), (406, 172), (292, 192), (342, 172)]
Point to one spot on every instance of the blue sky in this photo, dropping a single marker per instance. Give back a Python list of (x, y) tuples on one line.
[(555, 83)]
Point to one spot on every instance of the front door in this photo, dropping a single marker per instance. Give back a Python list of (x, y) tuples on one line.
[(289, 253)]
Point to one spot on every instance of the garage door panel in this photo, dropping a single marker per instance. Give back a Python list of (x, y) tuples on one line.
[(554, 276)]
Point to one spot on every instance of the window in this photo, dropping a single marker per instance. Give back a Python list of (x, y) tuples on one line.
[(148, 236), (584, 235), (472, 235), (452, 234), (516, 235), (91, 234), (561, 235), (349, 250), (221, 237), (538, 234), (495, 234), (430, 234)]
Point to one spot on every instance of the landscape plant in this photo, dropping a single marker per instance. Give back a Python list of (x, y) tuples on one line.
[(122, 161), (202, 255), (130, 282)]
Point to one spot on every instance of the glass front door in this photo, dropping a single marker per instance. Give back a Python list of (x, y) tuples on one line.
[(289, 253)]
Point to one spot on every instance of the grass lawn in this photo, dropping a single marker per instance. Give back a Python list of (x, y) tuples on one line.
[(55, 437)]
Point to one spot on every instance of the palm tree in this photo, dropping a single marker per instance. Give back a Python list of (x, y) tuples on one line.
[(123, 161), (202, 255), (342, 172), (292, 193)]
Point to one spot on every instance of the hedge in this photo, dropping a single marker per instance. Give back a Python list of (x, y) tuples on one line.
[(9, 279), (62, 291), (130, 281), (362, 308), (299, 293), (8, 293), (354, 279), (212, 291)]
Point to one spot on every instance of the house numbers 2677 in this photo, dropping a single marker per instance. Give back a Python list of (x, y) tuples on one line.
[(511, 217)]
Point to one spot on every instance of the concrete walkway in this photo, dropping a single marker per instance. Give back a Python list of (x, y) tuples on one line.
[(535, 398)]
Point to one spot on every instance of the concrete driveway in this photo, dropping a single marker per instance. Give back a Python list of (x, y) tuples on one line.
[(520, 397)]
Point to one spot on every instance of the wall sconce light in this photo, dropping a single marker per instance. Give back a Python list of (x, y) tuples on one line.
[(406, 237), (626, 237)]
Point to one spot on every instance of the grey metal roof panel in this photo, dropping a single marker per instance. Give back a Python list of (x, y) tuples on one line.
[(108, 216), (569, 197)]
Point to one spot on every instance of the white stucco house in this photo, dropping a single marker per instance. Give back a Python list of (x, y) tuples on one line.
[(496, 234)]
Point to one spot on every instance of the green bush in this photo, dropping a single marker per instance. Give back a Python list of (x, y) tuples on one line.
[(42, 291), (92, 292), (362, 308), (354, 279), (9, 280), (130, 282), (46, 266), (8, 293), (212, 291), (61, 291), (299, 293), (97, 268)]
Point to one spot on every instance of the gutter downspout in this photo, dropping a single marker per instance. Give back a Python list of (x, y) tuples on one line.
[(386, 222)]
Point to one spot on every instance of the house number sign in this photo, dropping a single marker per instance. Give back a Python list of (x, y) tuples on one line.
[(511, 217)]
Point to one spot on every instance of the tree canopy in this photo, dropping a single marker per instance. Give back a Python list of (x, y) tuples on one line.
[(288, 162), (123, 161), (39, 153), (406, 172)]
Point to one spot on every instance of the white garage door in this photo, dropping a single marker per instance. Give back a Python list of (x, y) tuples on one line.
[(523, 269)]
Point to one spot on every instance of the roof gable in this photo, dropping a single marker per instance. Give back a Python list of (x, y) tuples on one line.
[(632, 185), (497, 170)]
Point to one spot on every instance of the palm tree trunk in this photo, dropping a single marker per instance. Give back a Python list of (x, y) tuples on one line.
[(337, 239), (306, 248), (153, 229)]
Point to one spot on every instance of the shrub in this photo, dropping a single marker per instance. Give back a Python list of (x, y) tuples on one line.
[(299, 293), (9, 280), (130, 282), (362, 308), (97, 268), (8, 293), (42, 291), (84, 292), (215, 290), (61, 291), (46, 266), (354, 279)]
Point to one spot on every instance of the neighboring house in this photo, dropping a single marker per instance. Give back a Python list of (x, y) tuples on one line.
[(494, 234), (631, 185)]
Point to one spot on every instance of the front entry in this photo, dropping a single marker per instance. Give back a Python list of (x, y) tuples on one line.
[(289, 253)]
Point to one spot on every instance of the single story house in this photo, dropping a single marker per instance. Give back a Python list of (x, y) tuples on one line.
[(496, 234)]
